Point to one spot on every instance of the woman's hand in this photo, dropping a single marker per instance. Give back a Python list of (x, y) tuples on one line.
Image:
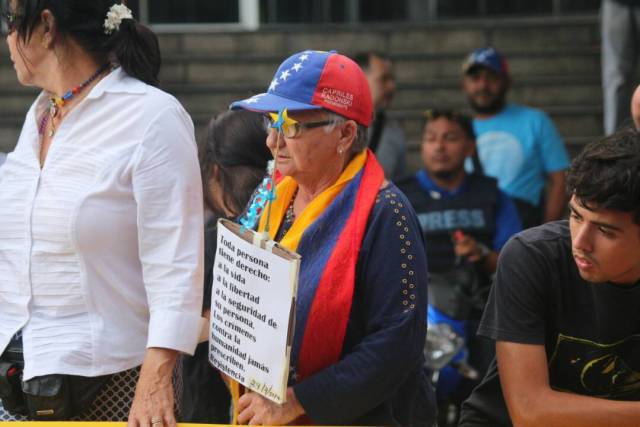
[(257, 410), (153, 402)]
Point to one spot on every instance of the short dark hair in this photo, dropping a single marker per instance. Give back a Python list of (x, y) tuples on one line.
[(235, 146), (133, 46), (461, 119), (607, 173), (363, 59)]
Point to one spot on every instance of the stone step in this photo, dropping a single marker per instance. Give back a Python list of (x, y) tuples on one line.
[(563, 91), (579, 62), (537, 34), (408, 68), (527, 35)]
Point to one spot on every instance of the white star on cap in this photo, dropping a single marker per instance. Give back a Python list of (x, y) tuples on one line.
[(285, 75), (483, 55), (303, 57), (297, 66), (273, 84), (254, 99)]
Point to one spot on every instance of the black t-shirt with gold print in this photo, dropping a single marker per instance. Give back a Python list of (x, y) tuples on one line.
[(591, 331)]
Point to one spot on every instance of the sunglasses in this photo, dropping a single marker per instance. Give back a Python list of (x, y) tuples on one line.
[(294, 130), (10, 23)]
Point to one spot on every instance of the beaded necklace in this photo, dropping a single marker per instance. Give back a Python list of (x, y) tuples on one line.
[(56, 103)]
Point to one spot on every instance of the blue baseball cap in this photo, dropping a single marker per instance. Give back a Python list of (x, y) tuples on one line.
[(313, 79), (486, 57)]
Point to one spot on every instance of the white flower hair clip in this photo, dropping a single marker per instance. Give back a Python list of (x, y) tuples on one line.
[(115, 15)]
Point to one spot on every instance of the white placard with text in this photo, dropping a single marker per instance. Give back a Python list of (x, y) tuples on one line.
[(252, 309)]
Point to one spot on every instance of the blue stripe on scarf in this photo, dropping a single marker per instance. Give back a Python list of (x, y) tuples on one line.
[(316, 246)]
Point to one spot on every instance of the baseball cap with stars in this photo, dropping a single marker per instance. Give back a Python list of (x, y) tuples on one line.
[(312, 80), (486, 57)]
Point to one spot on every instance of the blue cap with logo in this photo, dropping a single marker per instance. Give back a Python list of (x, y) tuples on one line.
[(486, 57)]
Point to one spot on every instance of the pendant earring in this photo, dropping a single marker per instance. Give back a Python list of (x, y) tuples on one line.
[(340, 150)]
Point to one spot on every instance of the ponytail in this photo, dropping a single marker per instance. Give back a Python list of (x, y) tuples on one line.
[(136, 49)]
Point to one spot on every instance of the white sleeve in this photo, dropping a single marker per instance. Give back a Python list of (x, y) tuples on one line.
[(168, 191)]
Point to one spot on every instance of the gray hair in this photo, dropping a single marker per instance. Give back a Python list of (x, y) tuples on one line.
[(360, 142)]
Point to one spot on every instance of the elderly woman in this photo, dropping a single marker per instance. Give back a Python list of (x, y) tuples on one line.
[(101, 212), (357, 349)]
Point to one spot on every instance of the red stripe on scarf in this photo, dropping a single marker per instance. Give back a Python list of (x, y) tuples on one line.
[(329, 313)]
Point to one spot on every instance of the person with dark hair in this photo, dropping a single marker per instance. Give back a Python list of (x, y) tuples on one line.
[(465, 219), (233, 161), (357, 346), (101, 206), (448, 199), (564, 308), (517, 145), (386, 137)]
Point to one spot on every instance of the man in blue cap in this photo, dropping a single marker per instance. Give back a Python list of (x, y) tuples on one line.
[(517, 145)]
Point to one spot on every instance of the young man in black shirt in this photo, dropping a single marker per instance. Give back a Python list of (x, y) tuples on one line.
[(565, 308)]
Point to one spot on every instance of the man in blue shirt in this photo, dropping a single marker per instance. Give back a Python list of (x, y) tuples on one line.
[(517, 145)]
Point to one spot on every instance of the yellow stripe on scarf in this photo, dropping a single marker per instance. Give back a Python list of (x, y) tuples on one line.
[(285, 191)]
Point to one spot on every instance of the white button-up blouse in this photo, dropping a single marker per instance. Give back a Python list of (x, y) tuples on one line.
[(101, 249)]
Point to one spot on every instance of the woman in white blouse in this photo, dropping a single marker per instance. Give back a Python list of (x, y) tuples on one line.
[(101, 213)]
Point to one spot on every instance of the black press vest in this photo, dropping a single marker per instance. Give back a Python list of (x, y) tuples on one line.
[(473, 211)]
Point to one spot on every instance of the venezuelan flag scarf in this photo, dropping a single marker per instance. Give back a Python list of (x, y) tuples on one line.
[(327, 235)]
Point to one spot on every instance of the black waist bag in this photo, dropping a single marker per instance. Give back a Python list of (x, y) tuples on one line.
[(46, 398), (11, 365)]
